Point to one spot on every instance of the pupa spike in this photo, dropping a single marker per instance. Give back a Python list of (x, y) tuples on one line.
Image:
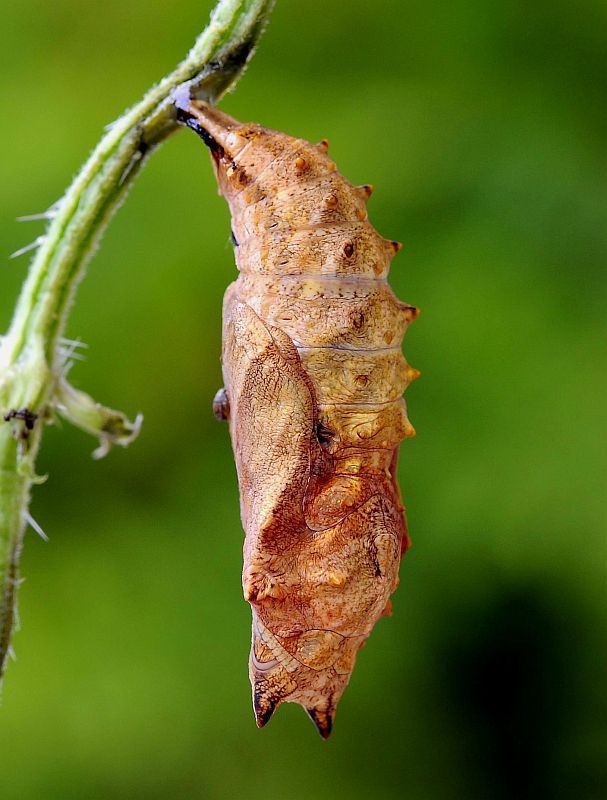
[(264, 706), (393, 245), (323, 719), (365, 191), (409, 430), (324, 145), (387, 612), (411, 313)]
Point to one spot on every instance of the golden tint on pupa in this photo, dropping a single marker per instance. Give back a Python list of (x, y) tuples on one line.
[(314, 377)]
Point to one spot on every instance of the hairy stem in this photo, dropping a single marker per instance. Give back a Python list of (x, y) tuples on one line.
[(32, 361)]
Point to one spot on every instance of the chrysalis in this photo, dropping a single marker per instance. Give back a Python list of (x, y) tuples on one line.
[(314, 377)]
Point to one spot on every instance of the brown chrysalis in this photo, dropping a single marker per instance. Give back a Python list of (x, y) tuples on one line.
[(314, 377)]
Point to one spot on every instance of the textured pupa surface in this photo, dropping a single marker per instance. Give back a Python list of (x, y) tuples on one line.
[(314, 377)]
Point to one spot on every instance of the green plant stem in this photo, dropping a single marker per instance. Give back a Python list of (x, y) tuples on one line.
[(32, 361)]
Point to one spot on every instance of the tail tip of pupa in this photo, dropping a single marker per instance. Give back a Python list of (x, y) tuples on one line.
[(322, 719), (264, 707)]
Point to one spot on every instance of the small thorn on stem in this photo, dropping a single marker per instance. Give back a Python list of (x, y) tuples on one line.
[(31, 246), (34, 525), (68, 351), (49, 214)]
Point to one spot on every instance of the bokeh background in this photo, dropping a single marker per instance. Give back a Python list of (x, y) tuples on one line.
[(481, 125)]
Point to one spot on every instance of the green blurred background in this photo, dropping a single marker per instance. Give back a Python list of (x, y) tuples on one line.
[(481, 125)]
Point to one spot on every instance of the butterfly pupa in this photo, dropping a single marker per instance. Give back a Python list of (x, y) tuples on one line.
[(313, 383)]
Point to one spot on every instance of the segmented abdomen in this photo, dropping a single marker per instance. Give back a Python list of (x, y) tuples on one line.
[(312, 265)]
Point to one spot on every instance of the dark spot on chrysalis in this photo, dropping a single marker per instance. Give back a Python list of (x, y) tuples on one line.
[(233, 238), (240, 174), (221, 405), (348, 249), (358, 320), (237, 172), (324, 434)]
